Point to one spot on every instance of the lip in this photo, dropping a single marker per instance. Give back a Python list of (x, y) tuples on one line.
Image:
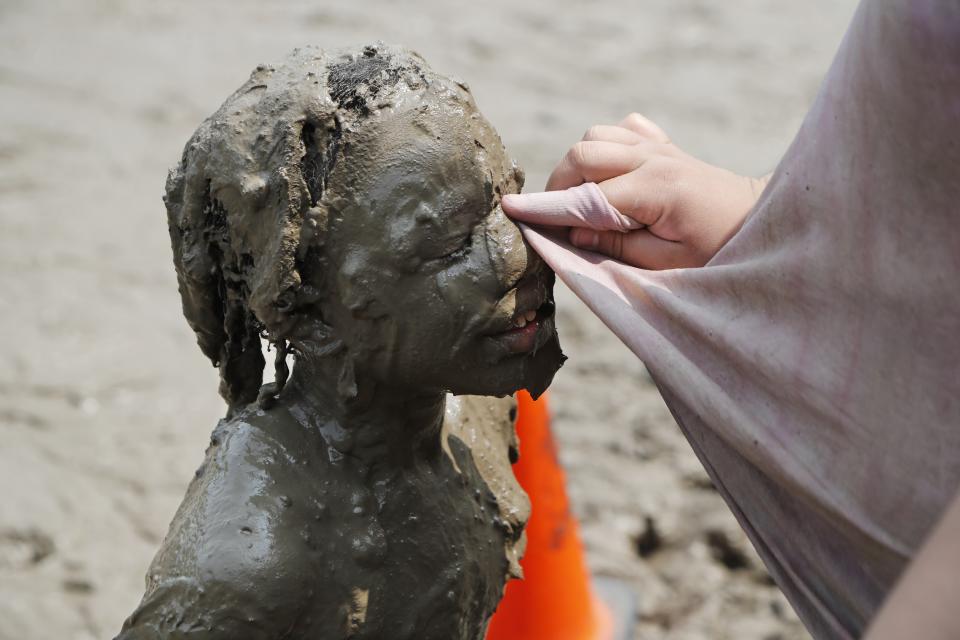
[(532, 294), (531, 336)]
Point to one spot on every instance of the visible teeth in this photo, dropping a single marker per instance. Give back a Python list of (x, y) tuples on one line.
[(531, 316), (520, 322)]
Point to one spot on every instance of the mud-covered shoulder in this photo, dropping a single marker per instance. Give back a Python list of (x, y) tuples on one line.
[(230, 561), (483, 429)]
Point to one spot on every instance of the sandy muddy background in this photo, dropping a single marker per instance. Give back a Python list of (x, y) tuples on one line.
[(106, 404)]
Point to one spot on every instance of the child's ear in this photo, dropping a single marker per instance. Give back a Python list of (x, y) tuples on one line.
[(299, 319), (313, 230)]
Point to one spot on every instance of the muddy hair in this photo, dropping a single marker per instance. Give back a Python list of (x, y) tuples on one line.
[(245, 205)]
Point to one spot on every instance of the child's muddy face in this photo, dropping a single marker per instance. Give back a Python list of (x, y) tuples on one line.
[(441, 290)]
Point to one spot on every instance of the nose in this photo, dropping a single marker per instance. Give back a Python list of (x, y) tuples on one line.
[(511, 256)]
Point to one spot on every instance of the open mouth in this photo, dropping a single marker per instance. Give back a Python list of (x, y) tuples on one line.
[(532, 322), (523, 319)]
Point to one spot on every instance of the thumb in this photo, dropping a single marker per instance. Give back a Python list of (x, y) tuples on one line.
[(581, 206), (638, 248)]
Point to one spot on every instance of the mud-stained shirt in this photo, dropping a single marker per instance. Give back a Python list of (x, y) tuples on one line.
[(813, 364)]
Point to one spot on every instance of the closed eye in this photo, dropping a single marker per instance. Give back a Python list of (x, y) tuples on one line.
[(461, 249)]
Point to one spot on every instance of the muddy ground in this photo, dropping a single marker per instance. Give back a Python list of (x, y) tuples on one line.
[(106, 404)]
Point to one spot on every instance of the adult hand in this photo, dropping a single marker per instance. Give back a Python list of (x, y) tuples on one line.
[(675, 210)]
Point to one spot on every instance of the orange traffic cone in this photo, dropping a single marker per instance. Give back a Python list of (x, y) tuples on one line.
[(554, 601)]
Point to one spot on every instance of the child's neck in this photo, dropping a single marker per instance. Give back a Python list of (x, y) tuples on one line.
[(377, 424)]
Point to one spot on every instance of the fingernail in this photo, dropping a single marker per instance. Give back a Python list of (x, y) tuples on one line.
[(584, 238)]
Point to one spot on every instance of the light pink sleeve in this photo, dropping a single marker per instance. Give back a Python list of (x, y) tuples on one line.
[(814, 364)]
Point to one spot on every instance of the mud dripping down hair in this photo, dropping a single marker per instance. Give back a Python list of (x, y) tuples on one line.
[(245, 205)]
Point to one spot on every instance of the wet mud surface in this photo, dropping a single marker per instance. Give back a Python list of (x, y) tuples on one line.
[(344, 207), (106, 404)]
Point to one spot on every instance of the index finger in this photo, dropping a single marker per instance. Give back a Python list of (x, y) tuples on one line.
[(582, 206)]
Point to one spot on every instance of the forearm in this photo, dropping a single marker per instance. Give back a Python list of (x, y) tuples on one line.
[(926, 601)]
